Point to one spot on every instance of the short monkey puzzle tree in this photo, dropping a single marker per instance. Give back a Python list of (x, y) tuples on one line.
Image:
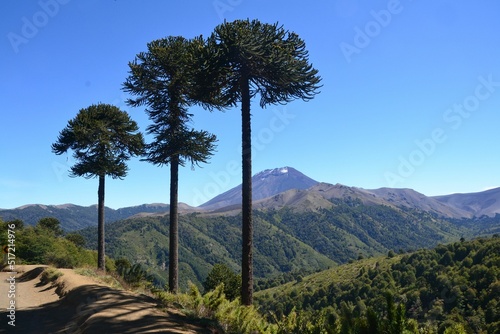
[(250, 58), (102, 138), (164, 80)]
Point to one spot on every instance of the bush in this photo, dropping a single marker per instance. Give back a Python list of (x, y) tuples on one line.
[(76, 238), (222, 274), (50, 224), (35, 245)]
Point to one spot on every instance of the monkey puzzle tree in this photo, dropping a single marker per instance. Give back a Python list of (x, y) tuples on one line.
[(163, 79), (251, 58), (102, 138)]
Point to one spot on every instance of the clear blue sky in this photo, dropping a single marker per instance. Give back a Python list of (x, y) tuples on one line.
[(411, 95)]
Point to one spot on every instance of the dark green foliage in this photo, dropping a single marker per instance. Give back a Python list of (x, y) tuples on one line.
[(134, 274), (102, 138), (39, 245), (415, 288), (204, 242), (76, 238), (222, 274), (162, 79), (349, 227), (273, 61), (50, 224), (287, 243), (122, 266), (17, 225)]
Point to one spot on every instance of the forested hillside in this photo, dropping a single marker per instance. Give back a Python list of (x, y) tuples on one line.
[(453, 288), (457, 283), (349, 228), (204, 242), (286, 240)]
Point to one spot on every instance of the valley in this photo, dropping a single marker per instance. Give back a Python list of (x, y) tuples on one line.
[(339, 248)]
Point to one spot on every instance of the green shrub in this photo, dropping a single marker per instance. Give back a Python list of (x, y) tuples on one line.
[(222, 274)]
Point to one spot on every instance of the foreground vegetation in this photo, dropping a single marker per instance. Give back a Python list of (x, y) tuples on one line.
[(453, 288), (436, 289)]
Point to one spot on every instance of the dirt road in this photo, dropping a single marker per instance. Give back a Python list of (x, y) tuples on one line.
[(84, 307)]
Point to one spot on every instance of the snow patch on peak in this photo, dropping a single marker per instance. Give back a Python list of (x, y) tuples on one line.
[(284, 170), (269, 172)]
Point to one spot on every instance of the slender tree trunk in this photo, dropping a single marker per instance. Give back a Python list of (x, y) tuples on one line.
[(100, 225), (173, 265), (247, 224)]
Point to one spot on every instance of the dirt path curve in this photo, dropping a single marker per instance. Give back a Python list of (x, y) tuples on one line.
[(85, 306)]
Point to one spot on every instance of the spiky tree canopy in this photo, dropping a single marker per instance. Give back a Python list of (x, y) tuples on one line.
[(163, 79), (102, 138), (274, 60)]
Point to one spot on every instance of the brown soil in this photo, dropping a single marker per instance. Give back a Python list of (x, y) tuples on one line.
[(78, 304)]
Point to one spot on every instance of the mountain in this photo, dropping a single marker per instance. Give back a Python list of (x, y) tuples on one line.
[(322, 194), (287, 187), (275, 189), (409, 198), (74, 217), (485, 203), (264, 184)]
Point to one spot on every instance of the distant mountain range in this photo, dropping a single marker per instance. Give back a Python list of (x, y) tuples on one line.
[(75, 217), (485, 203), (277, 188), (287, 187)]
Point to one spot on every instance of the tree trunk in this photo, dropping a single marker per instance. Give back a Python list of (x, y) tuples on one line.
[(100, 225), (173, 265), (247, 224)]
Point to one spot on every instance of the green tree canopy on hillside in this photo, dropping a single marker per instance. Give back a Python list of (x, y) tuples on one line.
[(51, 224)]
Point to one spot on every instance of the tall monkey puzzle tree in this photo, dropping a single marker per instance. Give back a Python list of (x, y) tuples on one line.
[(163, 79), (251, 58), (102, 138)]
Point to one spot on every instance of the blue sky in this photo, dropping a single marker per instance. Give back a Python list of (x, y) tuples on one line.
[(410, 96)]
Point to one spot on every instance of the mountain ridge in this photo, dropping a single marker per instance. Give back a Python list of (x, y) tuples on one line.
[(276, 188), (481, 203), (74, 217)]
